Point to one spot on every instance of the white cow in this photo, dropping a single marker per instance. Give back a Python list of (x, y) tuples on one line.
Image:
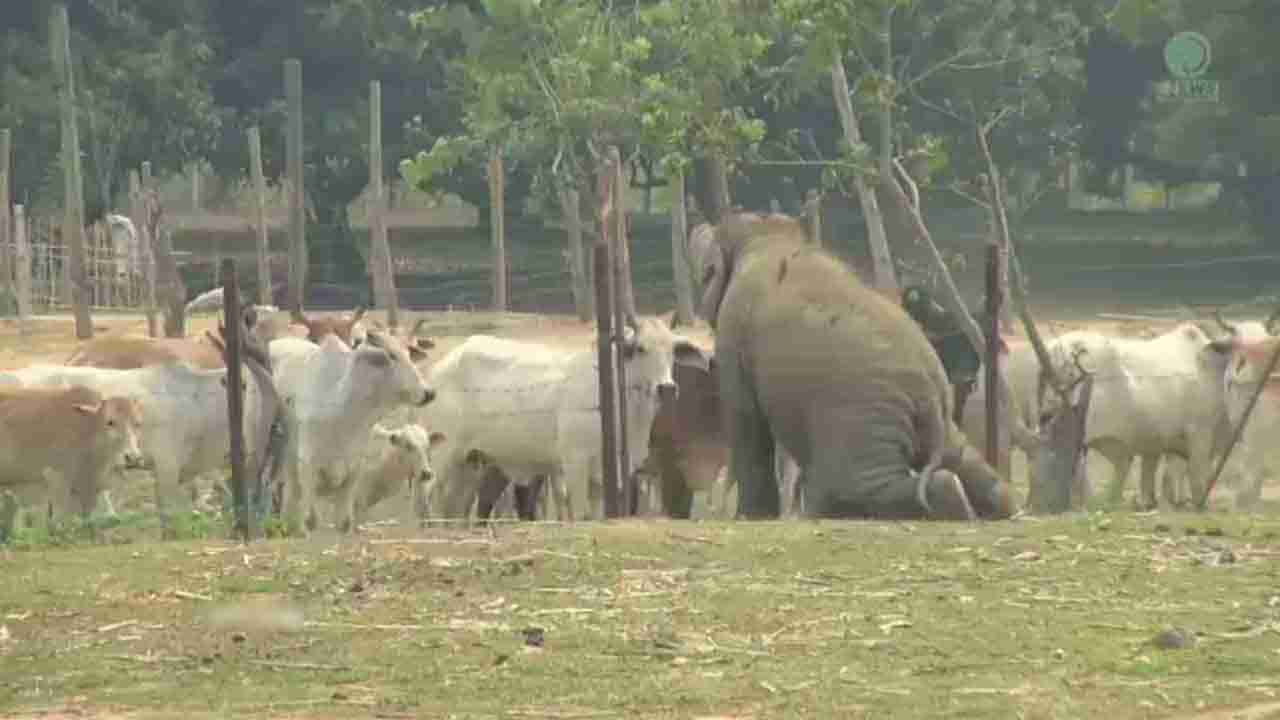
[(332, 397), (534, 410), (125, 244), (1255, 458), (1020, 420), (394, 460), (1150, 397), (184, 430)]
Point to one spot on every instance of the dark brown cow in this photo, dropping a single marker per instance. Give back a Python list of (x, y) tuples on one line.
[(686, 442)]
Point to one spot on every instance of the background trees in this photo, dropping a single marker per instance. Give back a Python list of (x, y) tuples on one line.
[(735, 95)]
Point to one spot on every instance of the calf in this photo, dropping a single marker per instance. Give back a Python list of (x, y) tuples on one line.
[(184, 430), (534, 410), (395, 460), (56, 444), (333, 396)]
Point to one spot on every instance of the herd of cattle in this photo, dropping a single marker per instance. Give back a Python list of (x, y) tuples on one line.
[(371, 415)]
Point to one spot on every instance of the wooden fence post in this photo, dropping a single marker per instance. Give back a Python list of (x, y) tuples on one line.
[(813, 213), (235, 394), (991, 363), (73, 183), (138, 213), (604, 277), (6, 219), (384, 275), (604, 360), (622, 313), (293, 161), (260, 215), (497, 229), (680, 259), (21, 262)]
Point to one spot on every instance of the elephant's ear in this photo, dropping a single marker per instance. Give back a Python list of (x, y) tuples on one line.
[(717, 266)]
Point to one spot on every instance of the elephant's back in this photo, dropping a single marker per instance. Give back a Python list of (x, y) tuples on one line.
[(814, 334)]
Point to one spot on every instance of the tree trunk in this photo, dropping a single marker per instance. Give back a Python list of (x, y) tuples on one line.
[(73, 186), (583, 296), (713, 188), (882, 260), (298, 259), (680, 260), (384, 278), (497, 218)]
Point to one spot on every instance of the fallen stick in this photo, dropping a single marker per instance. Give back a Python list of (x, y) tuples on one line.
[(296, 666), (358, 626)]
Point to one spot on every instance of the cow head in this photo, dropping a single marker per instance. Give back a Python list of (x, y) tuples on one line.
[(414, 444), (387, 357), (735, 237), (650, 350), (119, 420)]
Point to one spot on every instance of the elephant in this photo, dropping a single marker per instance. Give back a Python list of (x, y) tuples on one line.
[(811, 358)]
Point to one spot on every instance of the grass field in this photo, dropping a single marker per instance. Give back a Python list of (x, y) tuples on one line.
[(1101, 614)]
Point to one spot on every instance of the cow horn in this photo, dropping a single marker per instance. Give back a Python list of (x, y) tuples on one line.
[(417, 327), (1272, 320), (1217, 316), (359, 313)]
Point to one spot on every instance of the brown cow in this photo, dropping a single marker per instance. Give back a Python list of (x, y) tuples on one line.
[(129, 352), (686, 443), (346, 327), (72, 434)]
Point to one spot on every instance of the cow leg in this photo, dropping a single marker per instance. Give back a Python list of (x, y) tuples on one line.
[(1121, 459), (493, 484), (1147, 487), (1199, 463), (527, 497), (298, 489)]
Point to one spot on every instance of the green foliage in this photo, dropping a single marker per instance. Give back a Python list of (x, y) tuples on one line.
[(553, 82)]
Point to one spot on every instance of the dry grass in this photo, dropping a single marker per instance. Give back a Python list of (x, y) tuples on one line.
[(647, 619), (657, 619)]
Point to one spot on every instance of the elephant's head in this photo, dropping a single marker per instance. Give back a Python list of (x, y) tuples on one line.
[(736, 237)]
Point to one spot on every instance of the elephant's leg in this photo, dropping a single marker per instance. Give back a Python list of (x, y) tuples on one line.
[(751, 465), (750, 442), (872, 477)]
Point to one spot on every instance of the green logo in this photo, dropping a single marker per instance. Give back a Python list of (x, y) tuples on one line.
[(1187, 55)]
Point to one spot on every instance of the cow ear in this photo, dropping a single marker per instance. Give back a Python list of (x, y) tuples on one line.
[(436, 438), (376, 357), (424, 344), (89, 409), (416, 352), (688, 354)]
